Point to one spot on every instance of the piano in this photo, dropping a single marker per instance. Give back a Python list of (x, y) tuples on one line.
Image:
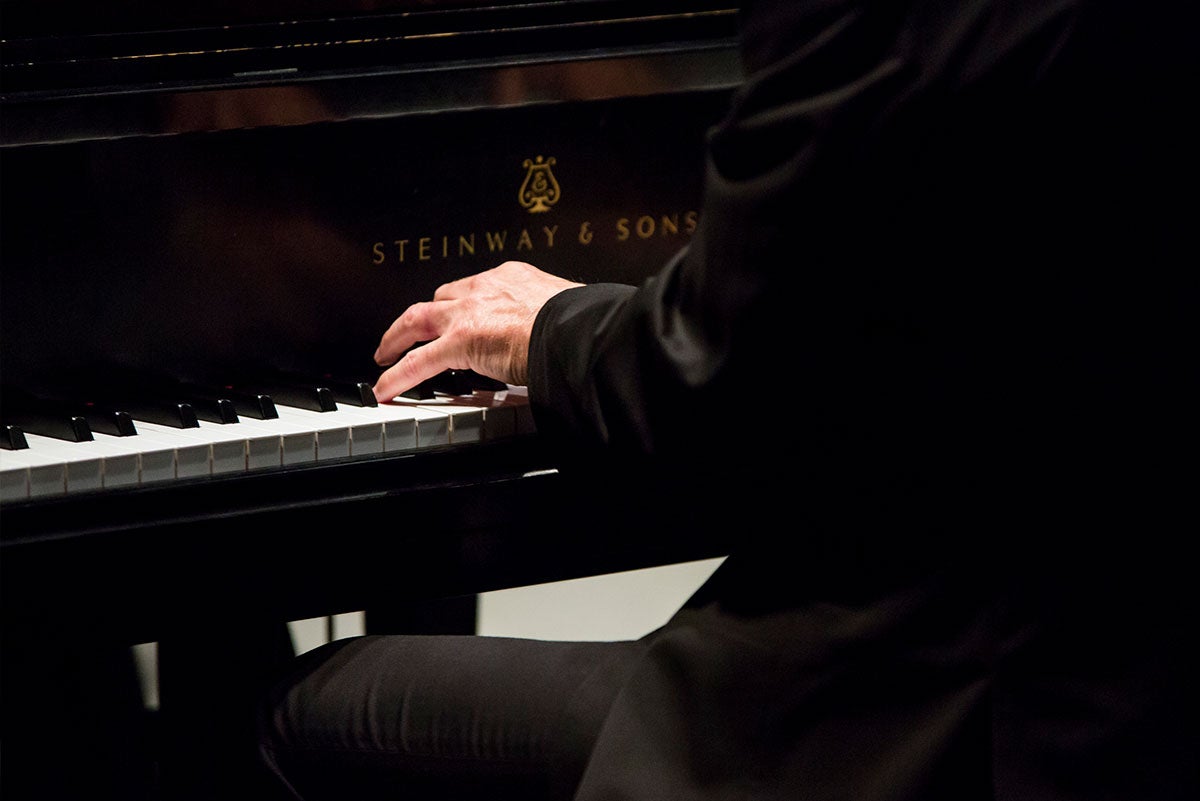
[(210, 214)]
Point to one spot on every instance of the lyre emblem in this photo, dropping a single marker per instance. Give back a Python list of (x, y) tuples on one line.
[(539, 190)]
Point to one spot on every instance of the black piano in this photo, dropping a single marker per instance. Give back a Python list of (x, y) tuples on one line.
[(208, 206), (210, 212)]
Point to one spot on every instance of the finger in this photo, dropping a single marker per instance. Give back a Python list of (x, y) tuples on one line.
[(420, 322), (419, 364), (455, 289)]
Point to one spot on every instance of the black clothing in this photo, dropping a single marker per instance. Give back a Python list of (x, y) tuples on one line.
[(950, 224), (443, 716)]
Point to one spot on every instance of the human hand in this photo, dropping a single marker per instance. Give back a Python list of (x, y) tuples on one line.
[(482, 322)]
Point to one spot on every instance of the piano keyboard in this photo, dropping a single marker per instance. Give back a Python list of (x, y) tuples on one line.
[(157, 452)]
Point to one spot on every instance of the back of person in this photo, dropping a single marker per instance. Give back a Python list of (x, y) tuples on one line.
[(957, 572), (964, 579)]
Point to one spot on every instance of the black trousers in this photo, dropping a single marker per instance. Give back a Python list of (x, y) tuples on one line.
[(441, 717)]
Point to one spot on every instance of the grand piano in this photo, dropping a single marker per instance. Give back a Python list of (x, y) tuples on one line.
[(211, 211)]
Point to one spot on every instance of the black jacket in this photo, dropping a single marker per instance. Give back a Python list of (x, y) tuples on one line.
[(929, 359)]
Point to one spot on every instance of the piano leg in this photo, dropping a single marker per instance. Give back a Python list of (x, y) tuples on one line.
[(72, 720), (457, 615)]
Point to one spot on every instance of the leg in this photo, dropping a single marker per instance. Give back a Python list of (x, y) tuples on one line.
[(442, 716)]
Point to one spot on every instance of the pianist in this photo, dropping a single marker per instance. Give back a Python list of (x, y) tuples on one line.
[(924, 359)]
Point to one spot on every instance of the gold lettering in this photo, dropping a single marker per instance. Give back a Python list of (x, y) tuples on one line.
[(496, 240), (448, 246)]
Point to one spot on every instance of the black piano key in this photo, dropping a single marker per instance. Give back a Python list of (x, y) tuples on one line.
[(12, 438), (214, 409), (207, 408), (451, 382), (115, 422), (351, 390), (483, 383), (301, 396), (173, 413), (148, 396), (422, 391), (58, 425), (224, 411), (243, 403), (464, 382), (359, 393), (100, 418)]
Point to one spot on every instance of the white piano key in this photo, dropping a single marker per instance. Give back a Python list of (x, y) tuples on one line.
[(414, 427), (156, 459), (162, 453), (263, 444), (395, 427), (101, 462), (83, 462), (242, 446), (47, 479), (14, 475), (366, 431), (16, 467), (44, 464), (134, 459), (227, 445), (332, 431), (229, 456), (231, 447), (297, 442), (433, 422), (465, 422), (120, 463), (481, 416), (193, 457), (367, 438)]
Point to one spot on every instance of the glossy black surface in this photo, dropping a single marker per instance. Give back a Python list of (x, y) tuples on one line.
[(74, 70), (210, 256)]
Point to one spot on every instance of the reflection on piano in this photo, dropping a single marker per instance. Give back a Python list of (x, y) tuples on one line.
[(211, 214)]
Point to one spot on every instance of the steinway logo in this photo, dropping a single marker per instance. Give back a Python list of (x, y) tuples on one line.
[(539, 191)]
